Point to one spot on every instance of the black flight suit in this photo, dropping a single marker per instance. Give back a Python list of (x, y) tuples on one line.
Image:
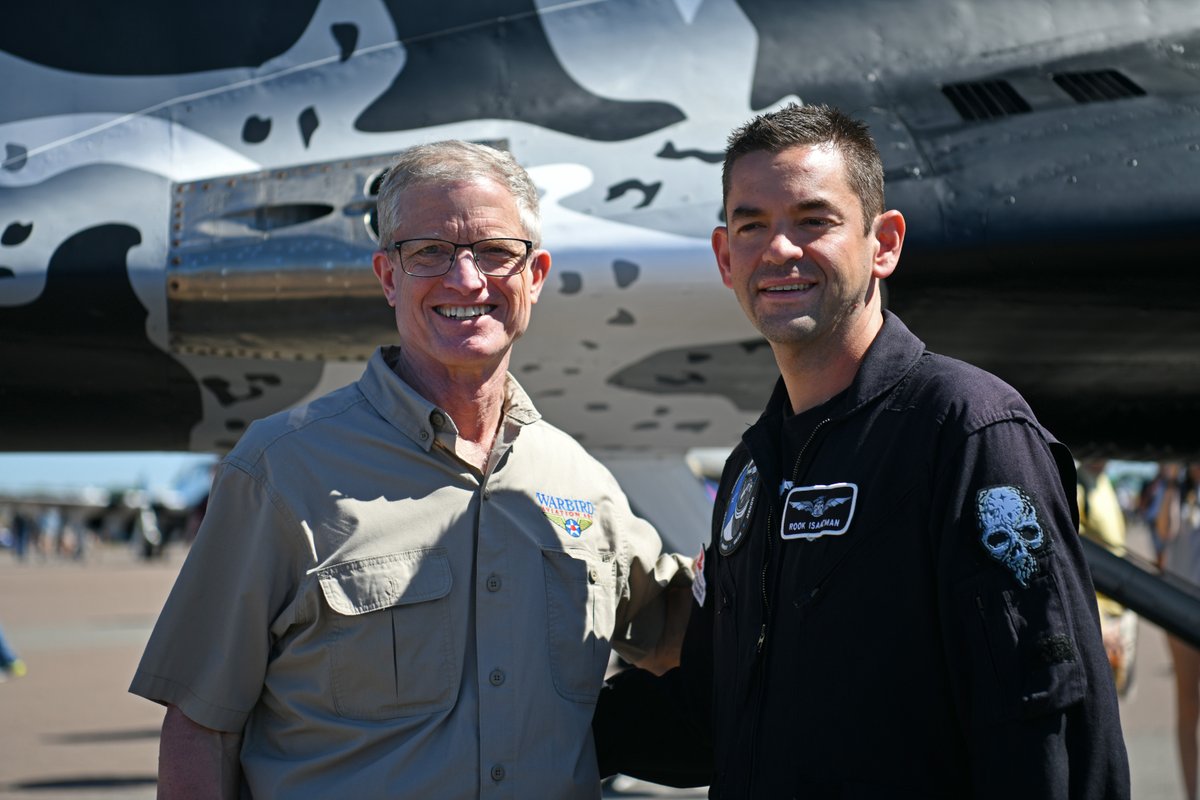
[(927, 628)]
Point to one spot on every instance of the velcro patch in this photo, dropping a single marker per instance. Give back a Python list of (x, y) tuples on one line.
[(1057, 649), (810, 512)]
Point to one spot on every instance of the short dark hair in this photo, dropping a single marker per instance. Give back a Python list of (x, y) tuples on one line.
[(800, 125)]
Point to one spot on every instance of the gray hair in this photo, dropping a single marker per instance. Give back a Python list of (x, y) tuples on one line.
[(452, 161)]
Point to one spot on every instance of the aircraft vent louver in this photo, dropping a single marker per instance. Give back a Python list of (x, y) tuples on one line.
[(981, 100), (1098, 86)]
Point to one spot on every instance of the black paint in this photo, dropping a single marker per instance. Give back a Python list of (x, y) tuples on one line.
[(572, 282), (79, 372), (16, 233), (745, 372), (467, 60), (648, 190), (150, 37), (706, 156), (346, 35), (626, 272), (15, 155), (622, 317), (227, 394), (256, 130), (308, 124)]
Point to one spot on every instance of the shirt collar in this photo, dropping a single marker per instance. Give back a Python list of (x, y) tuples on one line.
[(417, 418)]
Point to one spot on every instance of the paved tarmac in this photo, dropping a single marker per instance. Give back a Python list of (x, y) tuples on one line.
[(69, 730)]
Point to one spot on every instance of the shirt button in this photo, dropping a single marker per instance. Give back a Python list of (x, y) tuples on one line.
[(423, 435), (493, 583), (437, 419), (487, 494), (497, 677), (497, 773), (592, 575)]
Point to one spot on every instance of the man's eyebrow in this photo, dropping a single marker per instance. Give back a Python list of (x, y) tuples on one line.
[(814, 204), (745, 211)]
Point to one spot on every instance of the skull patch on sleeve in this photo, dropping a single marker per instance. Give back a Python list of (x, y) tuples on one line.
[(1010, 530)]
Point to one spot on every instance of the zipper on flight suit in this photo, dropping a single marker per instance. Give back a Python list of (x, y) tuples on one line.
[(766, 608), (766, 603)]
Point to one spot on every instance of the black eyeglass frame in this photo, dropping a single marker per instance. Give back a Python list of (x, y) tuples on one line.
[(395, 246)]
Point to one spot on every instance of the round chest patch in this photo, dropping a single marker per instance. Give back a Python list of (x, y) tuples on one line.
[(739, 510)]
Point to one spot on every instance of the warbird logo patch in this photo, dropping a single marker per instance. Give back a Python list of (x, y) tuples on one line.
[(1009, 529), (573, 516), (739, 510), (810, 512)]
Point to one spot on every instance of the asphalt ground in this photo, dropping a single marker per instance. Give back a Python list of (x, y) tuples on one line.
[(69, 730)]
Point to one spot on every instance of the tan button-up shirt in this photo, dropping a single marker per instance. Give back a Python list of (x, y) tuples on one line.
[(378, 616)]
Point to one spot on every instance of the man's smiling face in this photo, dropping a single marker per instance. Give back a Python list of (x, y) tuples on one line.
[(794, 250), (463, 320)]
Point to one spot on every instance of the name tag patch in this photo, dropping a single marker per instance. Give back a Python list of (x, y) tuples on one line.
[(810, 512)]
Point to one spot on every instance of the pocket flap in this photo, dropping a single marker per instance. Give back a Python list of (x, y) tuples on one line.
[(369, 584)]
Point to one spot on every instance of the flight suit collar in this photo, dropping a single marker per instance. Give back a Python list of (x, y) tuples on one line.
[(891, 356), (887, 362)]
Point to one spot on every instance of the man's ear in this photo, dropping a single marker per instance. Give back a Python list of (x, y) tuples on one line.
[(539, 268), (385, 271), (888, 231), (720, 246)]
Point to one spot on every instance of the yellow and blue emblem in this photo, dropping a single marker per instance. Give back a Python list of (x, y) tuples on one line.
[(573, 515)]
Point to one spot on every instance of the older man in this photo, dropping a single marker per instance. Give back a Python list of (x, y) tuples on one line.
[(410, 587)]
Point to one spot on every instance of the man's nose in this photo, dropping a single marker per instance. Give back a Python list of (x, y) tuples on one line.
[(464, 273), (782, 249)]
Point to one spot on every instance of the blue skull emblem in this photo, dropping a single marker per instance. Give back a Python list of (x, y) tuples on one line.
[(1011, 531)]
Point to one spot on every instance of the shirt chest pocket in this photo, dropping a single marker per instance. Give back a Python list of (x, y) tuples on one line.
[(392, 649), (581, 613)]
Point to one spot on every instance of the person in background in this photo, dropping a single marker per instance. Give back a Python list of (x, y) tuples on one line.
[(1179, 525), (10, 665), (1102, 520)]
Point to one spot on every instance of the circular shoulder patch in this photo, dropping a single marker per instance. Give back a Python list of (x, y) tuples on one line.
[(739, 509)]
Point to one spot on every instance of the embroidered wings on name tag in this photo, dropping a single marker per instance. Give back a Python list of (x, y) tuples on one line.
[(810, 512)]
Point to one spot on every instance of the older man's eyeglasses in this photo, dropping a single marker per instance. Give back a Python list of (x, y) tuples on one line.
[(429, 258)]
